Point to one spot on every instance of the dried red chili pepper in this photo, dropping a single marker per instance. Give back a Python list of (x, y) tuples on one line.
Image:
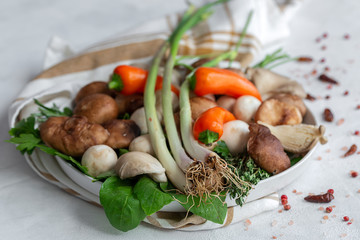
[(323, 198), (327, 79), (328, 115), (304, 59), (351, 150), (309, 97)]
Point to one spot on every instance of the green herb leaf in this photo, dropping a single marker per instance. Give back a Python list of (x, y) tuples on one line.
[(25, 126), (121, 206), (151, 197), (295, 160), (70, 159), (123, 151), (116, 83), (208, 137), (46, 112), (222, 149), (26, 142), (213, 209)]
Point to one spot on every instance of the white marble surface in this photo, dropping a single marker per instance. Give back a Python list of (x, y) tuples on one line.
[(31, 208)]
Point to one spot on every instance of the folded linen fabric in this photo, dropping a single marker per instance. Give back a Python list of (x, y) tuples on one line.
[(67, 72)]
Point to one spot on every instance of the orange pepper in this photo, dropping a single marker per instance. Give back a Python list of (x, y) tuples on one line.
[(221, 81), (213, 120), (133, 80)]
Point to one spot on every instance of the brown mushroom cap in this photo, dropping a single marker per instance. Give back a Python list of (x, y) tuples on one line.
[(274, 112), (122, 132), (266, 150), (129, 103), (92, 88), (98, 108), (200, 105), (291, 99), (72, 135)]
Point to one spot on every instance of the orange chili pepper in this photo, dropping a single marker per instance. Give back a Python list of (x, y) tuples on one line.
[(213, 120), (221, 81), (129, 80)]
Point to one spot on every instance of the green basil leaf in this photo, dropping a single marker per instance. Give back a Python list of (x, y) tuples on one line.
[(121, 206), (208, 137), (213, 209), (152, 199)]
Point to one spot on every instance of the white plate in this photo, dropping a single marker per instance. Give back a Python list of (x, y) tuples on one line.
[(262, 189)]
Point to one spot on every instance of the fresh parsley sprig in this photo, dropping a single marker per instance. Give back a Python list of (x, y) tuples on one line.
[(245, 168), (27, 137), (46, 112)]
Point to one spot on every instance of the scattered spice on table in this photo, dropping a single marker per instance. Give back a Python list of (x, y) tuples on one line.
[(273, 223), (325, 78), (340, 122), (322, 60), (346, 93), (322, 198), (328, 115), (354, 174), (351, 150), (312, 98), (323, 47), (291, 222)]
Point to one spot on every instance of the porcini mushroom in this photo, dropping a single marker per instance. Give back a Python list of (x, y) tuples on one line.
[(99, 159), (132, 164), (266, 150), (274, 112), (245, 108), (72, 135), (98, 108), (122, 132), (298, 138)]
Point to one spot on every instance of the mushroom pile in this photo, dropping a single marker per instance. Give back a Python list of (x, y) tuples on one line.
[(264, 129)]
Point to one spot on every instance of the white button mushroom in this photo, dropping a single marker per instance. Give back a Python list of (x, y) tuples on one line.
[(142, 144), (245, 108), (139, 118), (99, 159), (226, 102), (236, 136), (132, 164)]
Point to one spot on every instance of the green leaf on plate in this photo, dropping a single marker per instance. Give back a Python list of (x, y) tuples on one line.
[(121, 206), (151, 197), (213, 209)]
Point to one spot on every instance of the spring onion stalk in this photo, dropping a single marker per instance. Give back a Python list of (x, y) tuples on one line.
[(179, 154), (158, 140), (193, 148)]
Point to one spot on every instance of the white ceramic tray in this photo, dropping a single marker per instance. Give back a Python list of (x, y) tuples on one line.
[(262, 189)]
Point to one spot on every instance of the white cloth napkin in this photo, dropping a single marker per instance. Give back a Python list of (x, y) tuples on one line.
[(66, 72)]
